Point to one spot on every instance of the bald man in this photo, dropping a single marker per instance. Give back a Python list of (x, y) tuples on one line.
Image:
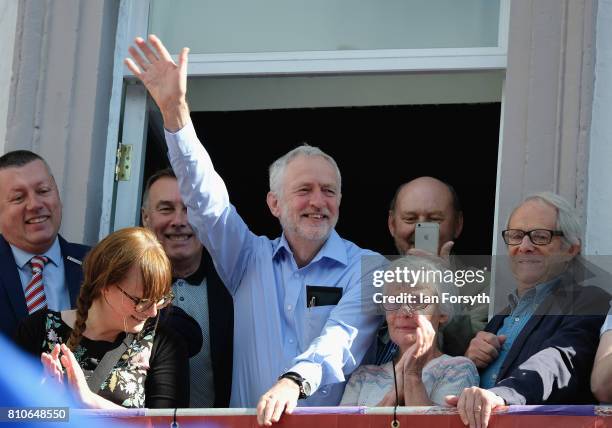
[(427, 199), (424, 199)]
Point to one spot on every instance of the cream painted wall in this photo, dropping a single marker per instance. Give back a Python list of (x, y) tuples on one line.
[(8, 21), (599, 212), (59, 99)]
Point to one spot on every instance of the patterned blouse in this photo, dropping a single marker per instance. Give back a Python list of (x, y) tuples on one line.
[(444, 375), (126, 383)]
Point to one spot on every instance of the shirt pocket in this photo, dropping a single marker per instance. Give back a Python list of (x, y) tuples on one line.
[(316, 318)]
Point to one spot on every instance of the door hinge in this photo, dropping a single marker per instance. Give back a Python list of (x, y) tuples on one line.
[(123, 165)]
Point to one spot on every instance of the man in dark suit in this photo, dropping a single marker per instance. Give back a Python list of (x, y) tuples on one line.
[(30, 218), (197, 287), (540, 348)]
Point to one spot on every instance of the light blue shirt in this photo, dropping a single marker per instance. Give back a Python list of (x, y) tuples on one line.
[(522, 309), (274, 330), (54, 280)]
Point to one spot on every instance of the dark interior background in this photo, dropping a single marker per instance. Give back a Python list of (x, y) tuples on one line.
[(376, 148)]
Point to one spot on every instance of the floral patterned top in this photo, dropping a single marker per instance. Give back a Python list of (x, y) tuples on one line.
[(444, 375), (134, 375)]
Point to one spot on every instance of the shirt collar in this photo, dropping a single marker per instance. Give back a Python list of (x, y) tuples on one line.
[(197, 277), (282, 244), (537, 293), (333, 249), (22, 258)]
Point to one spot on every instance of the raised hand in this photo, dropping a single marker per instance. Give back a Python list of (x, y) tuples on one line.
[(76, 378), (484, 348), (165, 80), (52, 366), (422, 350), (445, 250), (443, 257)]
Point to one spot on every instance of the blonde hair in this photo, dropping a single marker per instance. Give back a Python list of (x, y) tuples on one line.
[(109, 262)]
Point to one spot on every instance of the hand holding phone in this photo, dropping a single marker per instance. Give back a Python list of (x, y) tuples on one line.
[(427, 237)]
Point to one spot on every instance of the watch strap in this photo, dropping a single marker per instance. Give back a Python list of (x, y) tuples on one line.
[(299, 380)]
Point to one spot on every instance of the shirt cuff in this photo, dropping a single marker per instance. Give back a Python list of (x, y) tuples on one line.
[(181, 142), (312, 372), (509, 395)]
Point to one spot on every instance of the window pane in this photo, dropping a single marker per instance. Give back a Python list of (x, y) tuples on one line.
[(242, 26)]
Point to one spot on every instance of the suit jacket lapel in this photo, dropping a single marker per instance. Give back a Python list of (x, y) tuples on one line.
[(537, 317), (72, 270), (517, 346), (9, 278), (496, 322)]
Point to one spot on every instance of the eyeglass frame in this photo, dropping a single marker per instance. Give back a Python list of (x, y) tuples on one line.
[(138, 301), (553, 233), (412, 307)]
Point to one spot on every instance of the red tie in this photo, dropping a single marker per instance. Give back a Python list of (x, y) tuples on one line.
[(35, 291)]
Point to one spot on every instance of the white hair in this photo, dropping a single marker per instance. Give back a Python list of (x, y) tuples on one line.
[(278, 167), (426, 264), (568, 220)]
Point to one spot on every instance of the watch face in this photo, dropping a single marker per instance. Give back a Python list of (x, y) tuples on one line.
[(306, 387)]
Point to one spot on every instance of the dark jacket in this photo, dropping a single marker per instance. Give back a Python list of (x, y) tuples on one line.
[(550, 361)]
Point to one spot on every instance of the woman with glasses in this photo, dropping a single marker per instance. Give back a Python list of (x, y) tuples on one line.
[(419, 375), (111, 348)]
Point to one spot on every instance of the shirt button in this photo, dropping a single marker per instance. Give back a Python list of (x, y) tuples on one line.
[(290, 340), (517, 319), (324, 391), (181, 298), (289, 307)]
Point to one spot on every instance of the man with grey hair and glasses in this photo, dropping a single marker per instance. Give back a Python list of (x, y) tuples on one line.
[(540, 348), (299, 325)]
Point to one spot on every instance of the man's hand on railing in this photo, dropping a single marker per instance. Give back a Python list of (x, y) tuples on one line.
[(475, 406), (281, 397)]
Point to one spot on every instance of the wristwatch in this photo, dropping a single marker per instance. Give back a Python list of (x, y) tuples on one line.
[(302, 383)]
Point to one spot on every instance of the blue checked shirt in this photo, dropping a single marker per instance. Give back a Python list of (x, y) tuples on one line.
[(274, 330)]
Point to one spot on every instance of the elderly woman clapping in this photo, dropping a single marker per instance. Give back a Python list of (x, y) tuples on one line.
[(423, 374)]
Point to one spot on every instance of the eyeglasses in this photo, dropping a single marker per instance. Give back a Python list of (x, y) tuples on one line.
[(143, 305), (412, 307), (536, 236)]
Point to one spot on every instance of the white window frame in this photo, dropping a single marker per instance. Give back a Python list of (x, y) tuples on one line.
[(121, 200)]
